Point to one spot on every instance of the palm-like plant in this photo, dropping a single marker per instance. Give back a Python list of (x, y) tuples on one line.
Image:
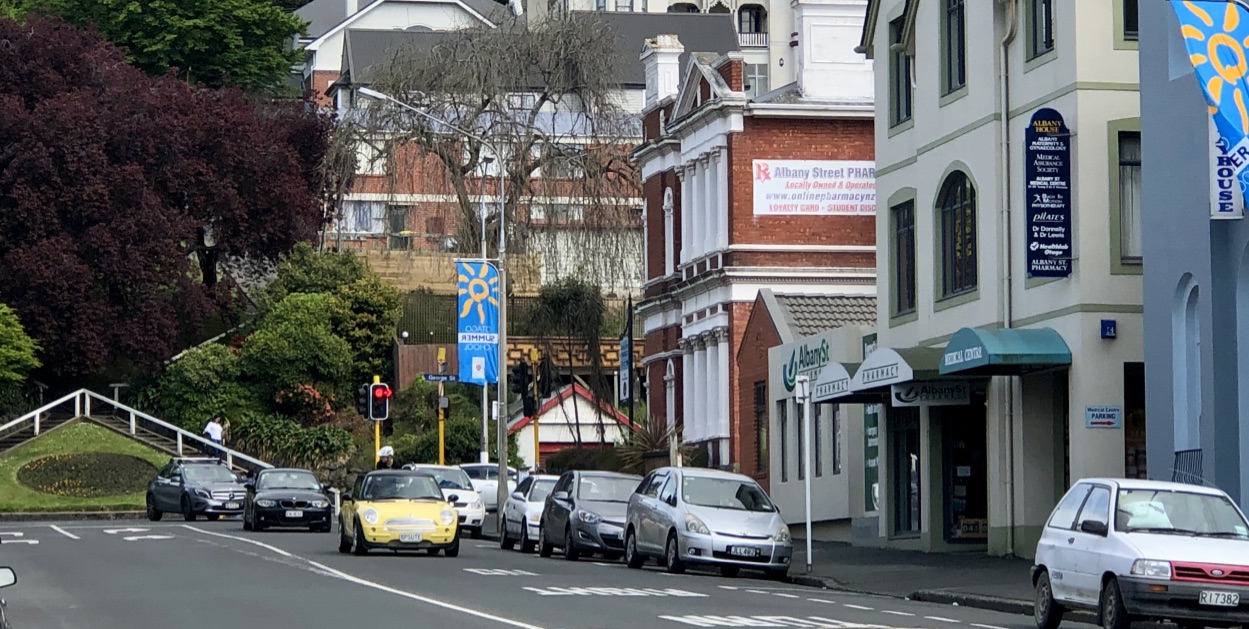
[(652, 441)]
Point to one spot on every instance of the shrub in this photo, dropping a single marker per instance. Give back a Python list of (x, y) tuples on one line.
[(87, 475), (281, 441), (204, 382)]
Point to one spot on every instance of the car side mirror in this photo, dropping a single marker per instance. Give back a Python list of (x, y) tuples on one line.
[(517, 495), (7, 577), (176, 479), (453, 498), (326, 488), (1094, 528), (672, 501), (560, 495)]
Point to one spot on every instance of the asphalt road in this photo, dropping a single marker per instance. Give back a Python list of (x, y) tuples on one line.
[(140, 575)]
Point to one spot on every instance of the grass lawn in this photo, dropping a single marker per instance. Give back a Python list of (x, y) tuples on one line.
[(79, 438)]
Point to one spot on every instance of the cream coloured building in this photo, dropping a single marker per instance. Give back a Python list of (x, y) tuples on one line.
[(1008, 359)]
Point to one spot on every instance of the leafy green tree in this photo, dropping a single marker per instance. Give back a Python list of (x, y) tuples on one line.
[(17, 349), (204, 382), (295, 351), (306, 270), (463, 444), (367, 315), (244, 43), (415, 409)]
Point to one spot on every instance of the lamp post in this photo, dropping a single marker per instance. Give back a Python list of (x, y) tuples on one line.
[(802, 389), (501, 424)]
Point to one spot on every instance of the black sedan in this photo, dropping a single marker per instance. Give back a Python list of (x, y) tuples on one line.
[(283, 497)]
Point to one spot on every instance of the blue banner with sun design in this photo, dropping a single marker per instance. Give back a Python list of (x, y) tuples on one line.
[(477, 318), (1216, 34)]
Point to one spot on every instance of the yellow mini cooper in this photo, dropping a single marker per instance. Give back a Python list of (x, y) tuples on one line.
[(398, 510)]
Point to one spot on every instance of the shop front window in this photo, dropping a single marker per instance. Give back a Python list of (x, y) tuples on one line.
[(965, 468), (904, 457)]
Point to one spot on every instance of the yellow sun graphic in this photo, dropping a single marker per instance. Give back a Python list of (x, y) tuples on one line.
[(478, 286), (1217, 52)]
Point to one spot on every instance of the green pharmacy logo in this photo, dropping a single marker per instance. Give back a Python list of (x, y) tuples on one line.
[(802, 360)]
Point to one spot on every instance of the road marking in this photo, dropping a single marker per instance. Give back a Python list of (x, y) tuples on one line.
[(607, 565), (63, 532), (940, 619), (136, 538), (987, 626), (13, 533), (820, 600), (16, 534), (729, 587), (784, 595), (767, 621), (489, 572), (116, 531), (326, 570), (483, 545), (758, 592), (866, 609), (610, 591), (886, 611)]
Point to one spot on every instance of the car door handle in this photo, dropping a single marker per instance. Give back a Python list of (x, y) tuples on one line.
[(1071, 540)]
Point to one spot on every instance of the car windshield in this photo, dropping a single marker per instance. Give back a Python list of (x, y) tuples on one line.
[(725, 493), (208, 474), (288, 480), (448, 478), (606, 488), (401, 487), (1179, 513), (541, 489)]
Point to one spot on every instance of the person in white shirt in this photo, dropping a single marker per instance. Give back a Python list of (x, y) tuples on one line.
[(213, 430)]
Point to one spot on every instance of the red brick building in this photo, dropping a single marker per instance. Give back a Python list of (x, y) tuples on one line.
[(742, 194)]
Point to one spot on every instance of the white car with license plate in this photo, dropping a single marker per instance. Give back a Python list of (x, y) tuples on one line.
[(522, 513), (1137, 550), (485, 478)]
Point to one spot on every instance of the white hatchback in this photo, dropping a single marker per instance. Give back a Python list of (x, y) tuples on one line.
[(1136, 550)]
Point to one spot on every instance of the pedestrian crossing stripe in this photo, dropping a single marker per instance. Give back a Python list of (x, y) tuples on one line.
[(609, 591), (494, 572), (768, 621)]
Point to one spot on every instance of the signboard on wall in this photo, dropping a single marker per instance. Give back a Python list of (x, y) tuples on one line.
[(1047, 191), (938, 393), (814, 188), (871, 443), (1103, 417), (1227, 200)]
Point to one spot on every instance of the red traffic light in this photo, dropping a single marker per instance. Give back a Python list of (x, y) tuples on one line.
[(381, 391)]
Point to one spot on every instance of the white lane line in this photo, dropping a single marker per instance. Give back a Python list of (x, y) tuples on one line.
[(13, 533), (887, 611), (366, 583), (758, 592), (135, 538), (606, 565), (63, 532), (987, 626), (866, 609), (940, 619), (722, 587), (783, 595), (820, 600)]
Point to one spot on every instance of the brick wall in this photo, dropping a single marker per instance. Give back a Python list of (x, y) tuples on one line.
[(653, 192), (318, 85), (777, 138), (657, 342), (731, 71), (752, 366), (739, 315)]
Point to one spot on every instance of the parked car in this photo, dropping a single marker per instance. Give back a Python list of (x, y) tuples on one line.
[(522, 513), (284, 497), (7, 578), (195, 487), (398, 510), (1137, 550), (687, 516), (453, 481), (485, 479), (585, 514)]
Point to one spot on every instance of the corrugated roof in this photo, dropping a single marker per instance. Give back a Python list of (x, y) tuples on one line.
[(813, 314)]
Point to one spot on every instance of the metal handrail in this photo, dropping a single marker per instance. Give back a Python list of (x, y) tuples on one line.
[(37, 413)]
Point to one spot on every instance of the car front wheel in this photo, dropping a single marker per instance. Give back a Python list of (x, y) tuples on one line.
[(544, 549), (1047, 612), (633, 558), (1114, 614)]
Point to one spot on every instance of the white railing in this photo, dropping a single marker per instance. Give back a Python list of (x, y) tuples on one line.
[(752, 40), (83, 399)]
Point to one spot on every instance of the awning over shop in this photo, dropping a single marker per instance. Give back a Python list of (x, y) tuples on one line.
[(1004, 352), (885, 367), (833, 382)]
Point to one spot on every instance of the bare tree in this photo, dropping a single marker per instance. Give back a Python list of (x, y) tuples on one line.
[(542, 102)]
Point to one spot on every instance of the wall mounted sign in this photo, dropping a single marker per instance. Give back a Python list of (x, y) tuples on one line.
[(1103, 417), (937, 393), (1047, 186), (1227, 200), (814, 188)]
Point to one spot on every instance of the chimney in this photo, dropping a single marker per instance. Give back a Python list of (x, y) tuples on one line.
[(353, 6), (828, 67), (661, 57)]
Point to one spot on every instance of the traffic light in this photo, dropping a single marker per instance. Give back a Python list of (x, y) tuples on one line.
[(362, 401), (530, 406), (546, 378), (388, 427), (379, 401), (521, 378)]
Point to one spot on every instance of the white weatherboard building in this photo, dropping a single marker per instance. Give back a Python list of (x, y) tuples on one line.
[(1008, 169)]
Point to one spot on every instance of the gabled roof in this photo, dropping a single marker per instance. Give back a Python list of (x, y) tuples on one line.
[(480, 9), (556, 400), (698, 32), (867, 39), (323, 15), (698, 68), (798, 315), (365, 49)]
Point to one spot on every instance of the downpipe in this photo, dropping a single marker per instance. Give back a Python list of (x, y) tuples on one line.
[(1008, 258)]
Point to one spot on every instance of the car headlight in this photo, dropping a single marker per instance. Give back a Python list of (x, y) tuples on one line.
[(695, 525), (203, 493), (587, 517), (1151, 569), (447, 516), (264, 503), (476, 504), (782, 535), (370, 516), (320, 504)]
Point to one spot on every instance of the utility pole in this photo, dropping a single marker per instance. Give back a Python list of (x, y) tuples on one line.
[(377, 426), (803, 391), (501, 423), (626, 354), (537, 452), (442, 408)]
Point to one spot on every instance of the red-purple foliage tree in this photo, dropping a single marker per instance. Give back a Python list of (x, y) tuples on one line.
[(108, 179)]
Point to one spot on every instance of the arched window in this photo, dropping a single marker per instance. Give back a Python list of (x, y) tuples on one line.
[(670, 394), (719, 8), (956, 211), (1186, 364), (669, 230), (751, 19), (683, 7)]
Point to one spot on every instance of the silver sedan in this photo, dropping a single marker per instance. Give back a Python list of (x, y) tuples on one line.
[(687, 516)]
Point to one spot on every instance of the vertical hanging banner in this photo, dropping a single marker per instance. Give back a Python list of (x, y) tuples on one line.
[(1213, 34), (1227, 200), (477, 316), (1047, 186)]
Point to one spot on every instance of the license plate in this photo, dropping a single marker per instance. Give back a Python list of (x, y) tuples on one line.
[(410, 537), (232, 505), (1220, 599), (294, 514), (744, 551)]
